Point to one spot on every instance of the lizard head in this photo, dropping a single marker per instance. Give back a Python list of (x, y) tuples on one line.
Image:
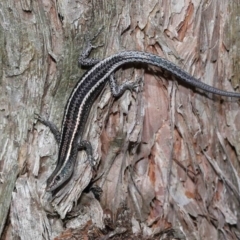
[(60, 177)]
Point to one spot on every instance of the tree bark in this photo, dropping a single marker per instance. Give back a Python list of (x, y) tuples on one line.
[(168, 155)]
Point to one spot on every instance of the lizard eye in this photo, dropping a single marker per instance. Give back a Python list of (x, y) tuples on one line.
[(57, 178)]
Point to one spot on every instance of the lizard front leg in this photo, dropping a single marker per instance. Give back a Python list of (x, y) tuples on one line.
[(86, 145), (53, 128)]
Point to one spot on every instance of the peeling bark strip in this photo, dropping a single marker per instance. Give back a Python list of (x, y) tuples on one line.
[(169, 157)]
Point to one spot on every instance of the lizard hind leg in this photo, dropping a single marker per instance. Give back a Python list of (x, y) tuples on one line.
[(84, 59), (117, 90)]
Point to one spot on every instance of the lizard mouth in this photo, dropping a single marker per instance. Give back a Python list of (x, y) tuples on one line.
[(51, 187)]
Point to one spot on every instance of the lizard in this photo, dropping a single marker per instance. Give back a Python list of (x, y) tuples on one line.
[(86, 91)]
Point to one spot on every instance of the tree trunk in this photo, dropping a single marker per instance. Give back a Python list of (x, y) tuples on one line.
[(168, 155)]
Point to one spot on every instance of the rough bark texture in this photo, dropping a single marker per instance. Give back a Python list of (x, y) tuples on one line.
[(168, 156)]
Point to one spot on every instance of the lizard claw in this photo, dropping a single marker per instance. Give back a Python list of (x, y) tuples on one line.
[(92, 161), (134, 85), (38, 117)]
